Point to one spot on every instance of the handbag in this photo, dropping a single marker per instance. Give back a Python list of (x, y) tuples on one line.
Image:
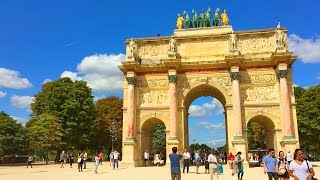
[(312, 178), (282, 167)]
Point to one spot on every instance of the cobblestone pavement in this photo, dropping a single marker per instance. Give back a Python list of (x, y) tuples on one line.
[(54, 172)]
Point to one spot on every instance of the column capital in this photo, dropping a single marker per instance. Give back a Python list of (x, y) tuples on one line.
[(282, 73), (131, 80), (172, 79), (235, 76)]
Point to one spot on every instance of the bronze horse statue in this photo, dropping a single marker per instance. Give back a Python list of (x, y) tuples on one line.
[(195, 19), (216, 18), (187, 20)]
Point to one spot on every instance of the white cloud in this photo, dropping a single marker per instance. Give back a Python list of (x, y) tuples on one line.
[(216, 142), (206, 109), (10, 79), (2, 94), (209, 125), (100, 71), (20, 119), (46, 80), (197, 111), (306, 49), (21, 101)]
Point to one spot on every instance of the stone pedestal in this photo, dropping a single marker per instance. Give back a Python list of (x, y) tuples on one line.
[(172, 142), (128, 153), (239, 144)]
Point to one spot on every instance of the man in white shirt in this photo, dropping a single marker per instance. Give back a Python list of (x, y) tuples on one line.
[(186, 156), (213, 165), (116, 159), (146, 157)]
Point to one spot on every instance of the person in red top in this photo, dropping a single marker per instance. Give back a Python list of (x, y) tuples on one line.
[(100, 158), (230, 160)]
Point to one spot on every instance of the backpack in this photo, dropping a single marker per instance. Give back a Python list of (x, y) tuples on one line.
[(282, 167)]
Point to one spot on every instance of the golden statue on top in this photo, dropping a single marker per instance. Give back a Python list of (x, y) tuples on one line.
[(180, 22), (224, 18)]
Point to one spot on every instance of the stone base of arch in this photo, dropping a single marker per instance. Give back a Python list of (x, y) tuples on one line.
[(239, 144), (171, 142), (129, 148)]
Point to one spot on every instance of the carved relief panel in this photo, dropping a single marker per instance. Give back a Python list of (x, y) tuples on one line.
[(152, 83), (258, 94), (150, 97), (259, 78)]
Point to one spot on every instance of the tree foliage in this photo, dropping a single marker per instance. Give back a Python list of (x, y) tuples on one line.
[(45, 133), (72, 103), (108, 123), (159, 138), (13, 136), (202, 147), (308, 115), (256, 136)]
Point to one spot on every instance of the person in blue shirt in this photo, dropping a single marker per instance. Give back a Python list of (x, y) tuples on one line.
[(270, 165), (175, 164), (197, 160)]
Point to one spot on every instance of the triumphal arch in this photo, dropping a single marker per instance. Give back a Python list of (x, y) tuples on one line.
[(249, 72)]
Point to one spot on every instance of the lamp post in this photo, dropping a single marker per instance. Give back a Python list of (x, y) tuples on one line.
[(113, 134)]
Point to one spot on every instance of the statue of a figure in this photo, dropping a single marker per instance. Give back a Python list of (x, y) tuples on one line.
[(172, 45), (280, 37), (233, 42), (224, 18), (180, 22), (132, 48)]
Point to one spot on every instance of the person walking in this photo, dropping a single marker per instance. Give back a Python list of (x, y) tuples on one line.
[(111, 158), (240, 165), (206, 162), (197, 160), (175, 164), (84, 160), (186, 160), (289, 157), (299, 168), (146, 157), (61, 160), (213, 165), (100, 158), (96, 163), (270, 165), (80, 161), (116, 155), (71, 159), (29, 161), (283, 167), (230, 160), (156, 159)]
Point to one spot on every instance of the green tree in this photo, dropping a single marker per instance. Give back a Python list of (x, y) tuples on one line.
[(308, 117), (159, 138), (222, 149), (45, 133), (72, 103), (256, 136), (13, 136), (109, 123)]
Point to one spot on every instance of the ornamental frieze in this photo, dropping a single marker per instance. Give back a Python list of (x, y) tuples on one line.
[(153, 51), (152, 83), (149, 97), (258, 94), (259, 78), (250, 45)]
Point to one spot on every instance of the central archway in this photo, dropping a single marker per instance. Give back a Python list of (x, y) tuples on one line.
[(192, 95)]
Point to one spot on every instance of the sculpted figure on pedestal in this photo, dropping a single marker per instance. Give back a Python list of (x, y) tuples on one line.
[(224, 18), (180, 22), (233, 42), (172, 45), (132, 48)]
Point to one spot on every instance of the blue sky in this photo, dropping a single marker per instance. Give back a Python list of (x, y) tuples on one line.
[(42, 41)]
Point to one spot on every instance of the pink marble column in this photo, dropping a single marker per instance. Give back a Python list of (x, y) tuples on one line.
[(173, 106), (235, 77), (130, 108), (285, 103)]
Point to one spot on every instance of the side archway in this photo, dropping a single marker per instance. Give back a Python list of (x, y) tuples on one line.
[(268, 132)]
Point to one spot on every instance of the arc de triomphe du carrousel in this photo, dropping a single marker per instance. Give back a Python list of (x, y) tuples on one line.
[(249, 72)]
